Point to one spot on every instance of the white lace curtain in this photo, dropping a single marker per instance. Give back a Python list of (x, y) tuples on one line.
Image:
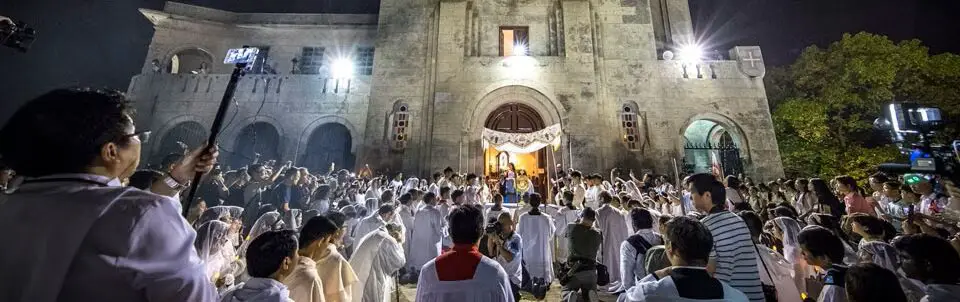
[(522, 142)]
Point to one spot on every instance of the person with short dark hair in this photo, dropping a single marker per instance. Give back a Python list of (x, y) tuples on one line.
[(868, 282), (74, 146), (143, 179), (633, 251), (577, 187), (567, 215), (734, 259), (689, 245), (506, 247), (270, 258), (934, 262), (463, 274), (494, 211), (584, 242), (613, 226), (822, 248), (428, 225), (592, 196), (536, 229), (318, 241)]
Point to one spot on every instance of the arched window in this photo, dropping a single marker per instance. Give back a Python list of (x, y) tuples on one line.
[(628, 125), (399, 125), (190, 60)]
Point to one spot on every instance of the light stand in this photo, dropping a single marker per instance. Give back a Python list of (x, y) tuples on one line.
[(238, 71)]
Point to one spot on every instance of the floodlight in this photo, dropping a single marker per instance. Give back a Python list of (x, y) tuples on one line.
[(519, 50), (690, 53), (342, 69)]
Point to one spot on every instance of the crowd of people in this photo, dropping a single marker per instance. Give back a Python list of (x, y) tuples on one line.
[(86, 225)]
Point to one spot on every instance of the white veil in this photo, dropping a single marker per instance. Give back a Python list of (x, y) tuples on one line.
[(880, 253), (219, 212), (790, 229), (214, 248), (410, 184), (269, 221)]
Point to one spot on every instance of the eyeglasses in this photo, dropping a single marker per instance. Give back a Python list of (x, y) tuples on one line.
[(142, 136)]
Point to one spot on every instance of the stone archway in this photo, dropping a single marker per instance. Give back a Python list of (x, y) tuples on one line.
[(188, 60), (713, 143), (329, 143), (516, 118), (256, 138), (189, 134)]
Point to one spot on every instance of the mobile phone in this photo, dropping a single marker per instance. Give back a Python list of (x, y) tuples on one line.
[(246, 55)]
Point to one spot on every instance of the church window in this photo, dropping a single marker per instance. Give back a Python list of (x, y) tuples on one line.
[(311, 60), (628, 125), (365, 60), (261, 66), (399, 125), (514, 41)]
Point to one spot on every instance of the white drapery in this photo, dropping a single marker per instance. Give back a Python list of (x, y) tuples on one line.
[(523, 142)]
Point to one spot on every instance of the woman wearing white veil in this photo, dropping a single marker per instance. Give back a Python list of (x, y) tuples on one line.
[(879, 253), (218, 255), (410, 184), (219, 213), (787, 229), (269, 221)]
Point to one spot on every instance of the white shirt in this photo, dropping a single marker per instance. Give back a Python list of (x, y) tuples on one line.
[(592, 197), (931, 198)]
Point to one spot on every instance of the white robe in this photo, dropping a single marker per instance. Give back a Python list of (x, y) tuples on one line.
[(537, 233), (614, 230), (428, 227), (406, 215), (560, 223), (579, 193), (444, 212), (367, 225), (377, 257), (592, 197), (489, 284)]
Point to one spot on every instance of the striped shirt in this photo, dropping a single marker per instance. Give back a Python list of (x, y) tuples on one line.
[(734, 253)]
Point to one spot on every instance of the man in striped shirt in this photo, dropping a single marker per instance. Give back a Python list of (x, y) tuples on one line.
[(733, 259)]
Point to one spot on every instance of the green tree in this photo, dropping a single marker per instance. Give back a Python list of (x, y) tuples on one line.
[(824, 104)]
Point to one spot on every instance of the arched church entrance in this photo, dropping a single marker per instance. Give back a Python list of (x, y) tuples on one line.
[(710, 147), (329, 144), (257, 138), (516, 118), (187, 135)]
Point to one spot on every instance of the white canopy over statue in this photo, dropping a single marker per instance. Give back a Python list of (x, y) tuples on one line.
[(523, 142)]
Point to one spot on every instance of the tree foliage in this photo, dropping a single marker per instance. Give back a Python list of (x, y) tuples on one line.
[(824, 104)]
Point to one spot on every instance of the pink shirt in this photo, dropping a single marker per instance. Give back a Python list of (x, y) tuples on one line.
[(857, 204)]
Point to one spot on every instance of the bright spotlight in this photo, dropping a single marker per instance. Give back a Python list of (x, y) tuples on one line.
[(342, 69), (690, 53), (519, 50)]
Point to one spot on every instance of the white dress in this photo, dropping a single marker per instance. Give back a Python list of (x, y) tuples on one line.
[(428, 227), (489, 284), (537, 232)]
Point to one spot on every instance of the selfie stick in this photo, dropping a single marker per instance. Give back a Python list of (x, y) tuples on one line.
[(215, 129)]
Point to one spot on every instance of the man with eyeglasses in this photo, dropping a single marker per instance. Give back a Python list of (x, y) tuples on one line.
[(79, 235)]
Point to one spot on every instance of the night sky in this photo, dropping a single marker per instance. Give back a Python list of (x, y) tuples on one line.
[(104, 42)]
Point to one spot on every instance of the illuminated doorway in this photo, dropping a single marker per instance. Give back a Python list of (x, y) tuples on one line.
[(516, 118)]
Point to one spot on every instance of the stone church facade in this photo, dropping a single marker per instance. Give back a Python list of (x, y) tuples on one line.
[(430, 75)]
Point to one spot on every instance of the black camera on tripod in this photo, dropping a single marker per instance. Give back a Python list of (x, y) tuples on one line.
[(16, 35), (911, 128)]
